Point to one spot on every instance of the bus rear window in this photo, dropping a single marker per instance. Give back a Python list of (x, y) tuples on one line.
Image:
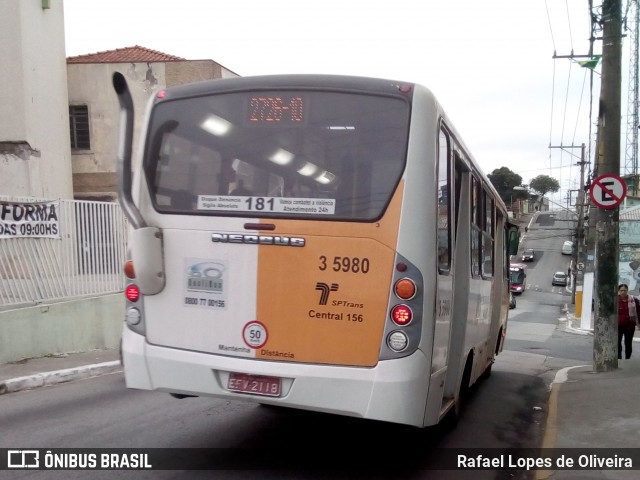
[(309, 154)]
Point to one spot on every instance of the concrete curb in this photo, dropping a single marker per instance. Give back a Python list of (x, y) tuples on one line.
[(59, 376)]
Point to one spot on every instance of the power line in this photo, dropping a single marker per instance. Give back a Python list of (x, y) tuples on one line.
[(550, 27), (575, 130), (569, 22)]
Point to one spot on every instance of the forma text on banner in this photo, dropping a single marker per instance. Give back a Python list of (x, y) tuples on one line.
[(30, 219)]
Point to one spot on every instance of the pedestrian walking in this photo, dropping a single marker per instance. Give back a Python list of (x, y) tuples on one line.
[(628, 309)]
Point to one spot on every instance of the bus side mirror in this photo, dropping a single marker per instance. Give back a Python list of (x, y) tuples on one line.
[(513, 239)]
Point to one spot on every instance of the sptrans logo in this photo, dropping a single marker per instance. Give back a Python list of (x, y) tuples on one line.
[(324, 291)]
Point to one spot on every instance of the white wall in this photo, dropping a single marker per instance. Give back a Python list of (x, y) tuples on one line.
[(35, 153), (78, 325)]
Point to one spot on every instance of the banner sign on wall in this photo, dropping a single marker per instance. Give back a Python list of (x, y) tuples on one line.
[(30, 219)]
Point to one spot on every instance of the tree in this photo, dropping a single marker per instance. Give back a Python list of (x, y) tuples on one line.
[(503, 181), (544, 184)]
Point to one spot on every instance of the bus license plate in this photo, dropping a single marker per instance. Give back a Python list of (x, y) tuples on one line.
[(254, 384)]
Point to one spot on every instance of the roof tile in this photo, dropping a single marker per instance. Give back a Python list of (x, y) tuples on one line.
[(136, 54)]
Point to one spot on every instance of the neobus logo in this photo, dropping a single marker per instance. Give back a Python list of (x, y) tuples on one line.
[(257, 239)]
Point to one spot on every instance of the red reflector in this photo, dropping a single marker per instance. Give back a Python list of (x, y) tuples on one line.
[(401, 314), (132, 293)]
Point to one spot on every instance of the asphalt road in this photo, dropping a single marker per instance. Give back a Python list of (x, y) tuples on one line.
[(505, 410)]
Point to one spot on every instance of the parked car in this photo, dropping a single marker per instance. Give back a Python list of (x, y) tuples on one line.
[(529, 255), (512, 300), (559, 278), (567, 248)]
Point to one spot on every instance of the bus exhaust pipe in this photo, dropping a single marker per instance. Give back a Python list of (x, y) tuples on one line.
[(125, 142)]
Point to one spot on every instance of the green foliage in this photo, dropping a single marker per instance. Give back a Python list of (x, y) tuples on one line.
[(503, 180), (544, 184)]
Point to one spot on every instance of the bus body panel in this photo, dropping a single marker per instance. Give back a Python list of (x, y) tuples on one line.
[(416, 241), (326, 302), (309, 303), (391, 391)]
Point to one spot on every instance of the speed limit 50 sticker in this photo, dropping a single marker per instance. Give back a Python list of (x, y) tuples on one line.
[(255, 334)]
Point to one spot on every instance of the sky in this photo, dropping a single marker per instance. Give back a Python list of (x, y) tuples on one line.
[(489, 62)]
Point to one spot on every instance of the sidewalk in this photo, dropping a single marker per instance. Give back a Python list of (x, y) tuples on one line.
[(50, 370), (594, 414)]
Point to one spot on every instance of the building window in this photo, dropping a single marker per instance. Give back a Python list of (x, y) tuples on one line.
[(79, 127)]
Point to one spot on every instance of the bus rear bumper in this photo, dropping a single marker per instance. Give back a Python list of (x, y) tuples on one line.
[(393, 390)]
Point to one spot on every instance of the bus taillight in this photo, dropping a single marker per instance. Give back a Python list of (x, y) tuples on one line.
[(405, 289), (401, 315), (132, 293), (129, 271)]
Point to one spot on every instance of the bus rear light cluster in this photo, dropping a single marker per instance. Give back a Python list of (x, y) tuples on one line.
[(132, 292), (403, 327)]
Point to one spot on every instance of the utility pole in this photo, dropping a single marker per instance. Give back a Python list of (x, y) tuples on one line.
[(605, 342)]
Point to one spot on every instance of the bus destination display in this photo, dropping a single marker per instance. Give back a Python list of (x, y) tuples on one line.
[(276, 110)]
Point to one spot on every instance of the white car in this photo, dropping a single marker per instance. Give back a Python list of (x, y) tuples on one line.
[(567, 248)]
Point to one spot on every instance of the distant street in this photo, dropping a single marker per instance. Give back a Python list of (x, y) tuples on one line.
[(546, 235)]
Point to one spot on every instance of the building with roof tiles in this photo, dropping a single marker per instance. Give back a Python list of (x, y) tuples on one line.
[(94, 109)]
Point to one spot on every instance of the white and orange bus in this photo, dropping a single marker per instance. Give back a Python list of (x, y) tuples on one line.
[(317, 242)]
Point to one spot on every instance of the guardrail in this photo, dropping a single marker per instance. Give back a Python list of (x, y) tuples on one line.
[(51, 251)]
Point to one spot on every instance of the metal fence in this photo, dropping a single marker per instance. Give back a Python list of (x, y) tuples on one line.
[(86, 259)]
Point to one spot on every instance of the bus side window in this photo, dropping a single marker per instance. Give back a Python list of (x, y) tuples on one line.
[(444, 205)]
